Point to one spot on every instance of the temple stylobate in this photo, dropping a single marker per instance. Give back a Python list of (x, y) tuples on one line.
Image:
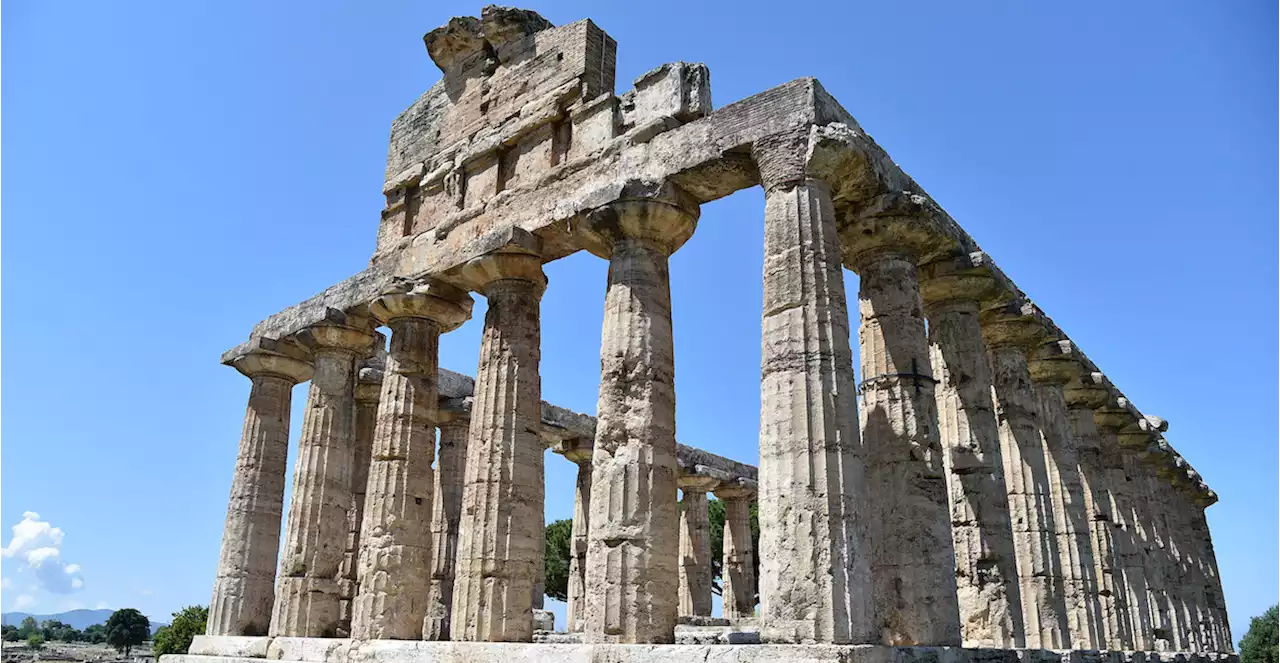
[(981, 486)]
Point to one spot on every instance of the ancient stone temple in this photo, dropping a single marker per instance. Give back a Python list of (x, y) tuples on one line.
[(983, 493)]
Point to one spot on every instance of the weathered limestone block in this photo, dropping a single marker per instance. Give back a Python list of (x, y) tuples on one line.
[(1216, 606), (985, 563), (368, 390), (633, 544), (815, 573), (1052, 366), (307, 597), (395, 545), (575, 617), (913, 560), (737, 569), (1084, 394), (447, 512), (695, 546), (245, 586), (1010, 335), (501, 529)]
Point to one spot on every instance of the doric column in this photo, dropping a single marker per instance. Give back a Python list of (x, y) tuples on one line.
[(1220, 628), (695, 546), (245, 586), (1164, 554), (913, 560), (446, 512), (1084, 394), (501, 532), (307, 596), (1129, 553), (986, 567), (1052, 366), (815, 578), (633, 543), (575, 615), (737, 569), (1011, 332), (368, 389), (395, 540)]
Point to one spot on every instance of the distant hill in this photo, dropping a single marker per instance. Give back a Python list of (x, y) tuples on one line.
[(78, 619)]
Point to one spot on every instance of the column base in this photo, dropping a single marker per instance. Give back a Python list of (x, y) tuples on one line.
[(233, 649)]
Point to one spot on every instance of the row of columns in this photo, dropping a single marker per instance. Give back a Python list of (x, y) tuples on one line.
[(971, 489)]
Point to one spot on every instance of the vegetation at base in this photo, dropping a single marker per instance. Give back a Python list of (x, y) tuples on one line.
[(35, 641), (1262, 643), (560, 538), (52, 630), (126, 629), (176, 637)]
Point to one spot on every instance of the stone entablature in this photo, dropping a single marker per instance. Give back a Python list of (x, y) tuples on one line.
[(983, 484)]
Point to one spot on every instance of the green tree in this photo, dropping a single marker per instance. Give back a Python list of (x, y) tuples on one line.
[(35, 641), (9, 633), (715, 515), (1262, 643), (176, 637), (96, 634), (556, 560), (126, 629), (28, 627)]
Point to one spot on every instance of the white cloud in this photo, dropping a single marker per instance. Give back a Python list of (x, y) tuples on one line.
[(40, 545), (6, 583), (145, 592), (102, 605), (23, 601)]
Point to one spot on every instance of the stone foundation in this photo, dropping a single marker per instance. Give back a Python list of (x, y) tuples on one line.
[(232, 649)]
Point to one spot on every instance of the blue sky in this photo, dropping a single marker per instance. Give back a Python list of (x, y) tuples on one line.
[(177, 171)]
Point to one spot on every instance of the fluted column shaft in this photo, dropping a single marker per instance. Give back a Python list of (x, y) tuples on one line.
[(245, 586), (633, 542), (368, 389), (501, 529), (447, 510), (695, 553), (913, 559), (1070, 517), (307, 598), (1111, 595), (815, 559), (737, 569), (1128, 544), (1030, 504), (575, 617), (1220, 628), (395, 540), (985, 563)]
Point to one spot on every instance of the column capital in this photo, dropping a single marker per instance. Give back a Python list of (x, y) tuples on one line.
[(1088, 390), (491, 268), (697, 483), (355, 340), (253, 364), (659, 214), (956, 282), (1056, 362), (1013, 324), (576, 449), (738, 489), (369, 385), (433, 300), (782, 160)]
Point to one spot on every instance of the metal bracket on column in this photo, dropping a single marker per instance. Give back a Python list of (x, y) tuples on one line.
[(915, 375)]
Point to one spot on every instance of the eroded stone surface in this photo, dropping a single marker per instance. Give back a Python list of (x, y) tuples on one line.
[(244, 589), (501, 528), (633, 541), (451, 466), (307, 594)]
